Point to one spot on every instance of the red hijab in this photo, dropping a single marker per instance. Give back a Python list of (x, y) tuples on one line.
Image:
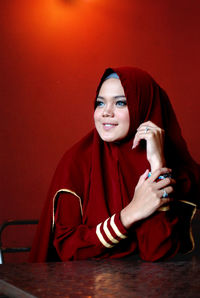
[(104, 175)]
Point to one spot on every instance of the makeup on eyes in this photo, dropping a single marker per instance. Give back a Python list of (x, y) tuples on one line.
[(120, 100)]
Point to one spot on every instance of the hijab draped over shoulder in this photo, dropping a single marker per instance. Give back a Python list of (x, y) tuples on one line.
[(103, 175)]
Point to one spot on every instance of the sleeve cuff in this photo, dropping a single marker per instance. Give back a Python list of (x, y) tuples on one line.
[(111, 231)]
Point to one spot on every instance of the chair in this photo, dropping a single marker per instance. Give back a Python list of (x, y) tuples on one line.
[(13, 249)]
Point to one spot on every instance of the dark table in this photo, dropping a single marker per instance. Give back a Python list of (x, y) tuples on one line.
[(128, 277)]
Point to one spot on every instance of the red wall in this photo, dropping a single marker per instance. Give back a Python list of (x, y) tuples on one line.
[(53, 53)]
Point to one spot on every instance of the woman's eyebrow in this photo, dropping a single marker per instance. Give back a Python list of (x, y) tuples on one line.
[(115, 97), (120, 96)]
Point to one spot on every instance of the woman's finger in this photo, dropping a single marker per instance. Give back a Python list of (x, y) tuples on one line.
[(165, 192), (146, 134), (142, 178), (142, 128), (140, 135), (165, 182), (136, 141), (164, 201), (147, 124), (154, 176), (153, 130)]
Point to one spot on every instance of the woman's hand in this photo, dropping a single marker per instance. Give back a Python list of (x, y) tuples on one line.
[(154, 137), (148, 197)]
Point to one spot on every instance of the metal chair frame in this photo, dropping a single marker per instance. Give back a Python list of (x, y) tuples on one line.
[(13, 249)]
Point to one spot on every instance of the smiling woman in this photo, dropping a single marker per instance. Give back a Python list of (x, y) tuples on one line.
[(103, 201), (111, 115)]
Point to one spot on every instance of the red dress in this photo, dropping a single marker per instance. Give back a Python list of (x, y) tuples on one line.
[(95, 180)]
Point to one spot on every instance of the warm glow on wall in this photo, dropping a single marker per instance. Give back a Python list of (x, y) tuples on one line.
[(47, 20)]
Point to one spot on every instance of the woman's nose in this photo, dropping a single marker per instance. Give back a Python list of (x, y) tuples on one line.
[(108, 111)]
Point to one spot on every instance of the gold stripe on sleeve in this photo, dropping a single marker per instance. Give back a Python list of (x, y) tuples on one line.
[(101, 239), (192, 216), (55, 196), (189, 203), (115, 228), (107, 232)]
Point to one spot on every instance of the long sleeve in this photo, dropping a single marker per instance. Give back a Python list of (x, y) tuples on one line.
[(74, 240), (158, 237)]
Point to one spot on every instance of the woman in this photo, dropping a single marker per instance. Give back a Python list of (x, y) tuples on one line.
[(113, 193)]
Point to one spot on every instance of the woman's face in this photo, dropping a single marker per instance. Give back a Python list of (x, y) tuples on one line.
[(111, 115)]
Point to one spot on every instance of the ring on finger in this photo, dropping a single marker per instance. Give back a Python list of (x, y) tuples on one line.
[(165, 194), (146, 129)]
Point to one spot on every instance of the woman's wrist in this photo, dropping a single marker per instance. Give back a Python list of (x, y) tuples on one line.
[(125, 218), (157, 163), (128, 217)]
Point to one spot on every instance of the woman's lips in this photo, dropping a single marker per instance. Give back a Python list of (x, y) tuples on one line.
[(108, 126)]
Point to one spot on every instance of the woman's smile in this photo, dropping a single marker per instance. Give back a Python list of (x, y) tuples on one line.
[(109, 126)]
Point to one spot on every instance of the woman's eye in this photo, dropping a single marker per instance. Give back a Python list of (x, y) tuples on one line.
[(121, 103), (99, 103)]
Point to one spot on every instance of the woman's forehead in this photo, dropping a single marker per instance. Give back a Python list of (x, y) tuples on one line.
[(111, 87)]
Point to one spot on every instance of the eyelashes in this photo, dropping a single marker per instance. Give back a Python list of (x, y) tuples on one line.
[(119, 103), (99, 103)]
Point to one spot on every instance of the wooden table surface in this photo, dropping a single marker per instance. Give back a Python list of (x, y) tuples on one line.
[(129, 277)]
